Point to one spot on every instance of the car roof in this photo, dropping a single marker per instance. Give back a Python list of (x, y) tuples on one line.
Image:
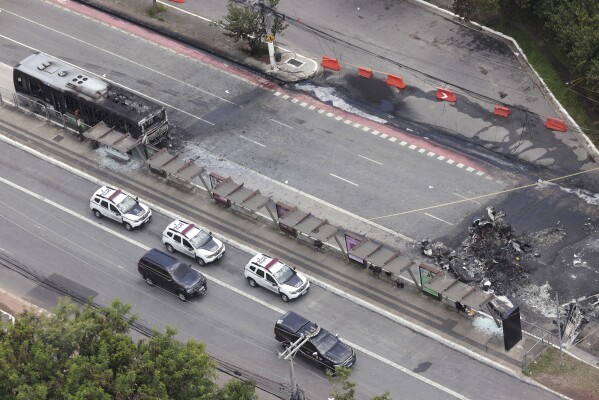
[(294, 322), (184, 228), (112, 194), (160, 258), (271, 264)]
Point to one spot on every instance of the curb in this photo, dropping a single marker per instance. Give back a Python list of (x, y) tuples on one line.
[(421, 330)]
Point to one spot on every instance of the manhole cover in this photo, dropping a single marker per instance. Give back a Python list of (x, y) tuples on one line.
[(58, 138), (295, 63)]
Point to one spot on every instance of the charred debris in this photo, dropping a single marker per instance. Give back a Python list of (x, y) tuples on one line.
[(491, 255)]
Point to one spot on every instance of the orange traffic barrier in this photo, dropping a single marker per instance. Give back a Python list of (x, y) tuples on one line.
[(365, 72), (556, 124), (330, 63), (394, 80), (446, 94), (502, 111)]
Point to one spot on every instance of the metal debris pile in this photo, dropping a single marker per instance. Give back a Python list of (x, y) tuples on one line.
[(491, 253)]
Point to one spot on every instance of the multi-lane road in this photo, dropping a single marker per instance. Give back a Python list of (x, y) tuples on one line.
[(226, 112), (47, 225)]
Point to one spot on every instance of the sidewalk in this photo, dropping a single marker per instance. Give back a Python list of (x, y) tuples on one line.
[(478, 337)]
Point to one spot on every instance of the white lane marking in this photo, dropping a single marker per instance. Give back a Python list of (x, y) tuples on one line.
[(338, 177), (403, 143), (369, 159), (460, 165), (441, 158), (277, 93), (330, 114), (421, 150), (133, 242), (127, 59), (116, 83), (375, 132), (285, 97), (392, 139), (320, 111), (347, 121), (279, 122), (384, 135), (437, 218), (338, 118), (250, 140), (469, 169), (412, 147), (466, 198), (450, 161), (366, 129), (357, 125), (480, 173), (303, 104), (215, 280), (430, 154), (311, 107), (294, 100), (406, 371)]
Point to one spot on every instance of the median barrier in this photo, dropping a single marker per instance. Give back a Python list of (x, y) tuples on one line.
[(446, 95), (330, 63), (395, 81), (365, 72), (556, 124)]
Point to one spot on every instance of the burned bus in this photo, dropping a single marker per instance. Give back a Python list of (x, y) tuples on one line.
[(59, 86)]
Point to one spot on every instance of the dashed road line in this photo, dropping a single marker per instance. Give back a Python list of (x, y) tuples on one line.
[(369, 159), (343, 179), (280, 123), (250, 140), (466, 198), (439, 219)]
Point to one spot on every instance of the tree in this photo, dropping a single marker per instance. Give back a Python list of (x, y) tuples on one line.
[(246, 22), (473, 9), (88, 354), (344, 389)]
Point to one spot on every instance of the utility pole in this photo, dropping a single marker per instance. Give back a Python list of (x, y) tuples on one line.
[(288, 354), (559, 331)]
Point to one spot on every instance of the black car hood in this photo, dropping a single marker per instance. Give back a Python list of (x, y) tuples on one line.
[(339, 353), (294, 281), (191, 279), (211, 245), (136, 210)]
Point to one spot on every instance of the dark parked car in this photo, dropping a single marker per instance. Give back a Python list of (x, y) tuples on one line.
[(162, 269), (324, 348)]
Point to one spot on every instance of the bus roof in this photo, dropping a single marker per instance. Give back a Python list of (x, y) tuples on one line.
[(74, 81)]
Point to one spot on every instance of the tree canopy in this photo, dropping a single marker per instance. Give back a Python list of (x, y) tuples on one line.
[(246, 22), (344, 389), (87, 354)]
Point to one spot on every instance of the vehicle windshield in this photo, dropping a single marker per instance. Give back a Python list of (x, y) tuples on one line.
[(159, 116), (200, 239), (180, 271), (127, 205), (284, 274), (324, 341)]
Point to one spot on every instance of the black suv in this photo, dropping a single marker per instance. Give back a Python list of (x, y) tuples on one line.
[(324, 348), (159, 268)]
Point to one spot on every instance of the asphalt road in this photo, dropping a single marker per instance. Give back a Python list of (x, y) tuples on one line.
[(220, 114), (223, 111), (48, 226)]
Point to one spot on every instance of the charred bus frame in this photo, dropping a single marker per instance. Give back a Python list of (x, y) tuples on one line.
[(66, 89)]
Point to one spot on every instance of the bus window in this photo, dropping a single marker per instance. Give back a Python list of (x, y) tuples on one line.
[(36, 89), (20, 83), (71, 103)]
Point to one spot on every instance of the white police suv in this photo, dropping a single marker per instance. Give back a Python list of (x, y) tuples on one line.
[(275, 275), (120, 206), (193, 241)]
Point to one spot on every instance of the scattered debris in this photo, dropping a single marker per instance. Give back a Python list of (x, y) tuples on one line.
[(491, 253)]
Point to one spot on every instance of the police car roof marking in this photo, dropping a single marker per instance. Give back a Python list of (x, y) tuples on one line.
[(113, 195), (189, 228), (271, 263)]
